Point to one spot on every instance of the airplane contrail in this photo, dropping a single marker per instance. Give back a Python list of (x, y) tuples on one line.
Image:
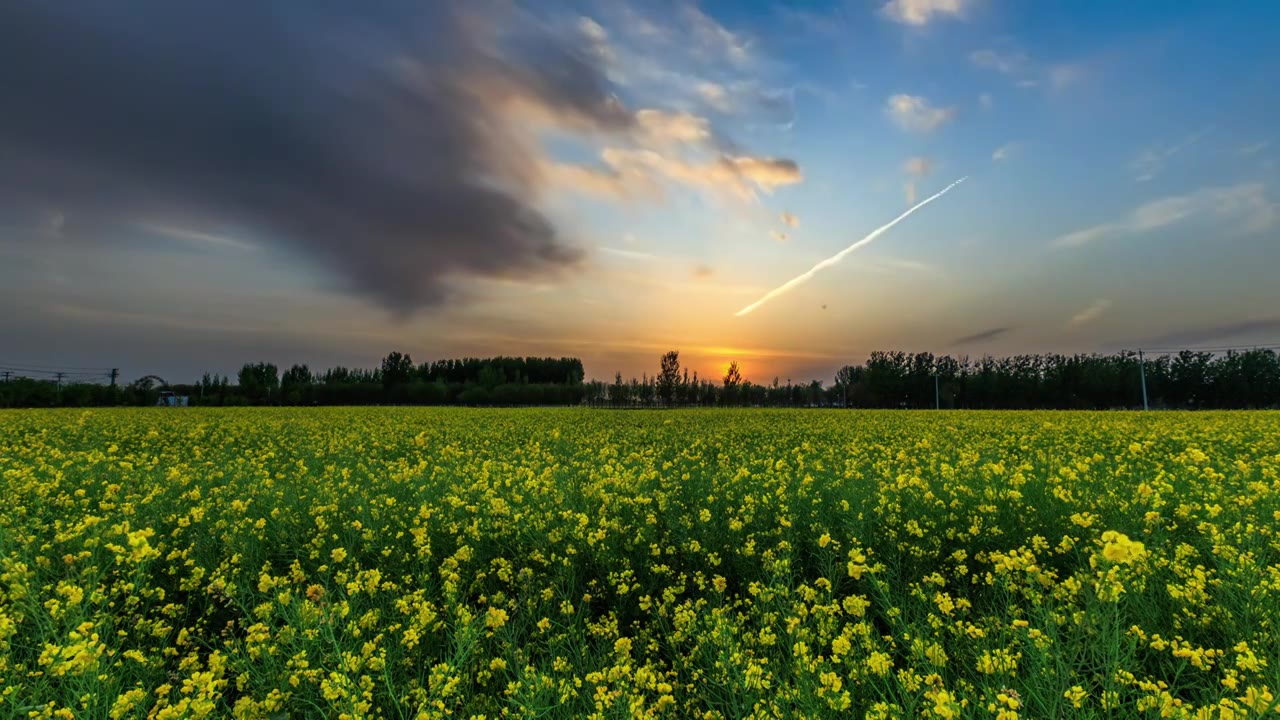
[(802, 279)]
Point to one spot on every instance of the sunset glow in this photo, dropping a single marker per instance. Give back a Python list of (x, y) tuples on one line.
[(613, 180)]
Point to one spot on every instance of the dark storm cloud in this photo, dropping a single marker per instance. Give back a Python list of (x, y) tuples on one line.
[(373, 138), (984, 335)]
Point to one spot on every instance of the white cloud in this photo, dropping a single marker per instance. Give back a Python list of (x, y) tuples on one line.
[(1164, 212), (1152, 160), (896, 266), (1089, 314), (1005, 63), (1064, 75), (917, 166), (912, 265), (753, 100), (1244, 206), (689, 67), (914, 113), (714, 40), (631, 172), (985, 101), (597, 41), (628, 254), (1004, 152), (1253, 148), (715, 96), (766, 172), (1026, 73), (195, 236), (790, 220), (666, 128), (685, 58), (921, 12), (592, 29), (613, 182), (1085, 236)]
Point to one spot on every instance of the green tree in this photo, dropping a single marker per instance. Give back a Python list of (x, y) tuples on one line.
[(295, 384), (732, 382), (845, 379), (490, 377), (295, 377), (732, 376), (618, 391), (258, 381), (669, 378), (396, 369)]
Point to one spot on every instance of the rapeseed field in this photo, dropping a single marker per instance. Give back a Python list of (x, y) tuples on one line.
[(428, 563)]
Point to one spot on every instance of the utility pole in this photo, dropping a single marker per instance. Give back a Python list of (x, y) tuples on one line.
[(59, 377), (6, 375), (115, 373), (1142, 372), (937, 398)]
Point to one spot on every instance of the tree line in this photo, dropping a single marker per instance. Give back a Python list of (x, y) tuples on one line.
[(1188, 380), (397, 381)]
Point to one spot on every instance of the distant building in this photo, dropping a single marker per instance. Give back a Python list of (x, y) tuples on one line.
[(169, 399)]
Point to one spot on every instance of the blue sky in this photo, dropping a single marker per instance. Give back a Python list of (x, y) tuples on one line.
[(679, 160)]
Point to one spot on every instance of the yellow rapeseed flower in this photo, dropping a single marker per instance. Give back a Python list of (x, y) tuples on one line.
[(1118, 548)]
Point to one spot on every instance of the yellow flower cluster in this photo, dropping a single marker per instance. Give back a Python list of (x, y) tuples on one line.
[(453, 563)]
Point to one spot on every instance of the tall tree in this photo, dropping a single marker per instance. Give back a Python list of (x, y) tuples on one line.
[(296, 376), (732, 381), (617, 391), (845, 378), (258, 381), (295, 384), (669, 377), (396, 369), (732, 376)]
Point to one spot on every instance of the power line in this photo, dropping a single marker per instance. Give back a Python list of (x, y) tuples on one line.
[(58, 374), (11, 373), (54, 372)]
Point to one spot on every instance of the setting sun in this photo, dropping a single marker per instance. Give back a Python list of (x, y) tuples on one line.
[(724, 368)]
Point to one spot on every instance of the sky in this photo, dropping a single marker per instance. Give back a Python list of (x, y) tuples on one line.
[(187, 188)]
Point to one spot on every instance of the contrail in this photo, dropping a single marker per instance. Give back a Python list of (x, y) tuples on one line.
[(802, 279)]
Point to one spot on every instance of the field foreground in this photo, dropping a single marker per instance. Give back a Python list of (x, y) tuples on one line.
[(401, 563)]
